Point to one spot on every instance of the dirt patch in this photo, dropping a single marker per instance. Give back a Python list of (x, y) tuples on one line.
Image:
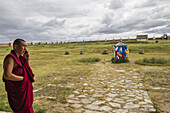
[(4, 44)]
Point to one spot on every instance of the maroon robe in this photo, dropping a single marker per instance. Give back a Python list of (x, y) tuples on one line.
[(20, 93)]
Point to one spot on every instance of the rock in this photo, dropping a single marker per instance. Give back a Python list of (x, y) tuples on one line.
[(105, 51), (115, 105), (120, 70), (132, 100), (81, 96), (136, 74), (37, 90), (68, 86), (126, 98), (86, 101), (97, 95), (131, 95), (35, 101), (51, 97), (91, 90), (111, 86), (92, 99), (98, 90), (123, 90), (81, 52), (92, 107), (111, 95), (71, 96), (119, 100), (141, 51), (120, 111), (156, 88), (131, 106), (90, 111), (148, 101), (85, 84), (142, 103), (105, 108), (147, 106), (73, 101), (98, 102), (109, 99), (135, 77), (76, 105), (78, 110), (66, 52), (51, 85), (139, 97), (152, 110), (85, 91), (76, 92), (128, 81)]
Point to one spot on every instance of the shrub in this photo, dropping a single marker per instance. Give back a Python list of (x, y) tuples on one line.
[(155, 60), (89, 60), (120, 60), (152, 61)]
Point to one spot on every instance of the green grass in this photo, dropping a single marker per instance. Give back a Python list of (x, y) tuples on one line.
[(38, 110), (4, 106)]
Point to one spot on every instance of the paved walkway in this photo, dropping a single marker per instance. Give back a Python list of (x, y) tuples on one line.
[(122, 94)]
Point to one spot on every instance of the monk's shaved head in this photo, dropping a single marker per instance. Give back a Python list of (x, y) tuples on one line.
[(18, 41)]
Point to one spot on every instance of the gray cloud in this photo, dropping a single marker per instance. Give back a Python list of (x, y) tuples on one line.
[(82, 19), (55, 23), (116, 4), (154, 15)]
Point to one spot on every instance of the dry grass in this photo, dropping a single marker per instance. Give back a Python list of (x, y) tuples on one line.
[(158, 77), (51, 66)]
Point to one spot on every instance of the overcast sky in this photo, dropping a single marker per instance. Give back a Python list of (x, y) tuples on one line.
[(71, 20)]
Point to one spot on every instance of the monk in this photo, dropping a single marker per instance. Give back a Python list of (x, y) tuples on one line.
[(18, 78)]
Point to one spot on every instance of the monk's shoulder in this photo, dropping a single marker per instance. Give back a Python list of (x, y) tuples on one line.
[(10, 60)]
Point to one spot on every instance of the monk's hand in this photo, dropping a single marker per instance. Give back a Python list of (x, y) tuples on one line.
[(26, 56)]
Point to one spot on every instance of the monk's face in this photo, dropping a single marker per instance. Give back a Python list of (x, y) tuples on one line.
[(21, 48)]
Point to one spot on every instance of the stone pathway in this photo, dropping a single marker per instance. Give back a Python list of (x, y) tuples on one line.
[(103, 93)]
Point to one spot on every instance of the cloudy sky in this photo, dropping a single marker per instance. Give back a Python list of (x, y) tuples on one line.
[(71, 20)]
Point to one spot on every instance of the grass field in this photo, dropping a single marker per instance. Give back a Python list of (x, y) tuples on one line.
[(52, 67)]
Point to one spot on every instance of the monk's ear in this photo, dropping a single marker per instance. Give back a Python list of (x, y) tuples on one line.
[(15, 46)]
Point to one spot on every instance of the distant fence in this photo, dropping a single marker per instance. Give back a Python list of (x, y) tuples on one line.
[(40, 43)]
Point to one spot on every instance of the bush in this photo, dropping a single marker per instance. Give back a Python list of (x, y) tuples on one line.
[(155, 61), (152, 61), (120, 60), (89, 60)]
